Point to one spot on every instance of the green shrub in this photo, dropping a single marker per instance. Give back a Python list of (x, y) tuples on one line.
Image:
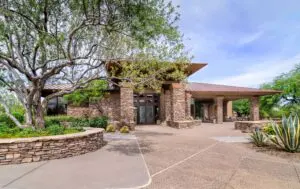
[(287, 134), (99, 122), (55, 129), (124, 129), (110, 128), (52, 120), (79, 123), (8, 122), (258, 138), (268, 129)]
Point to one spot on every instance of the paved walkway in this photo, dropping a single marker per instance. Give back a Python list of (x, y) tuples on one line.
[(207, 156), (211, 156), (119, 164)]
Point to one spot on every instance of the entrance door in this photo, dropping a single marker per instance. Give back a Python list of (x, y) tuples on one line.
[(146, 115), (147, 106)]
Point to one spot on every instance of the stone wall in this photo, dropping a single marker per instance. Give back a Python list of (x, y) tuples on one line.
[(78, 111), (109, 106), (250, 126), (26, 150)]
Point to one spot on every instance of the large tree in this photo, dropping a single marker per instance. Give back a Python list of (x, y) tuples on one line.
[(286, 102), (72, 41)]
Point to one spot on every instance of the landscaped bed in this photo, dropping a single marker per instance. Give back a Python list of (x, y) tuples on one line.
[(26, 150)]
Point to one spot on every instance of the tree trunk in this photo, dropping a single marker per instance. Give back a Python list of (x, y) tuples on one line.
[(39, 116), (28, 116)]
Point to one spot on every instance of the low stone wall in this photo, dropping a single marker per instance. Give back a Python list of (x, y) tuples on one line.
[(25, 150), (184, 124), (250, 126)]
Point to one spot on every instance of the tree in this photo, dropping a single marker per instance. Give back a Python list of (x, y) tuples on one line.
[(286, 102), (241, 107), (73, 41)]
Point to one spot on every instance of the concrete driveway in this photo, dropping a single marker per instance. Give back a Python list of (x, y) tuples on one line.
[(211, 156), (119, 164)]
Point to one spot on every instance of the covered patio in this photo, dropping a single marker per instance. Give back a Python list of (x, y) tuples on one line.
[(214, 102)]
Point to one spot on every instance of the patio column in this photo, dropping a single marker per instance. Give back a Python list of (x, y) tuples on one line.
[(126, 104), (254, 108), (205, 112), (178, 102), (219, 103), (188, 99), (167, 101)]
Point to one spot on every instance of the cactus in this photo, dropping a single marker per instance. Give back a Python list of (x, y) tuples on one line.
[(288, 134), (258, 138)]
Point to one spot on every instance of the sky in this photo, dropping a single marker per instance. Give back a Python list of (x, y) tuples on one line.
[(245, 42)]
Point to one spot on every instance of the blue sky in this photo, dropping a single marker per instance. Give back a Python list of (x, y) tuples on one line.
[(244, 42)]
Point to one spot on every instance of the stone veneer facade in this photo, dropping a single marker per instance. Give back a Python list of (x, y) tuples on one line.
[(26, 150)]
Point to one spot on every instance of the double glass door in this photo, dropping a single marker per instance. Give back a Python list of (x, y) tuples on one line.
[(147, 106)]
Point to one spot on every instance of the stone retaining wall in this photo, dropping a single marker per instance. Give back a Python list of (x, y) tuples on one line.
[(250, 126), (25, 150)]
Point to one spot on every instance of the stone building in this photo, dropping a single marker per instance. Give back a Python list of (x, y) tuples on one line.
[(177, 105)]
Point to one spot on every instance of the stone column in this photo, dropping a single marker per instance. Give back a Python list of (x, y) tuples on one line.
[(254, 108), (205, 112), (162, 105), (168, 105), (188, 98), (178, 102), (229, 109), (126, 104), (219, 113)]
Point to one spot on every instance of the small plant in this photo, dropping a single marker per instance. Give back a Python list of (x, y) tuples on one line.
[(110, 128), (258, 138), (99, 122), (268, 129), (56, 130), (124, 129), (287, 134)]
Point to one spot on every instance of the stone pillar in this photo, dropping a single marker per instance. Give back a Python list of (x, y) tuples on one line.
[(229, 109), (162, 105), (219, 112), (188, 99), (225, 116), (211, 111), (254, 108), (126, 104), (168, 105), (178, 102), (205, 112)]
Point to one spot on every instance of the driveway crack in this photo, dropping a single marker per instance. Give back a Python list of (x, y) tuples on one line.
[(21, 176)]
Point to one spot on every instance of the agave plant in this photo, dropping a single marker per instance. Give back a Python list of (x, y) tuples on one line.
[(258, 138), (287, 134)]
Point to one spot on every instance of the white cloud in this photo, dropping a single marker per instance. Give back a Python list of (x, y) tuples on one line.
[(260, 73), (250, 38)]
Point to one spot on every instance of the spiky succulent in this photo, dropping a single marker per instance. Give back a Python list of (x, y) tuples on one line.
[(258, 138), (287, 134)]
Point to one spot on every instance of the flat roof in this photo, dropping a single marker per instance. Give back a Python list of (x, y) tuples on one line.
[(206, 89)]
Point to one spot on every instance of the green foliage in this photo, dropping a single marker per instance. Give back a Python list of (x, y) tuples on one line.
[(287, 102), (124, 129), (80, 123), (99, 122), (110, 128), (258, 138), (4, 119), (55, 129), (15, 132), (268, 129), (287, 134), (242, 107), (52, 120), (93, 92)]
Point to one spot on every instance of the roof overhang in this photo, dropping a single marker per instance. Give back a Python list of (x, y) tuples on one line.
[(194, 67)]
